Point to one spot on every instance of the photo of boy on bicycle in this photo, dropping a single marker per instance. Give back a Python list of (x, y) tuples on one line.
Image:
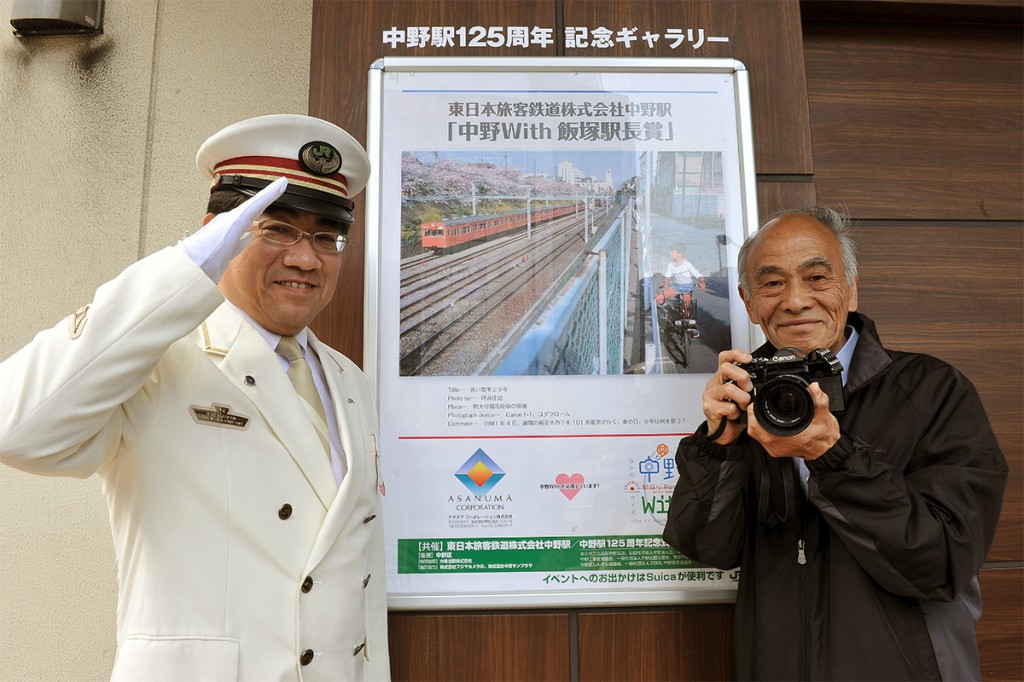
[(680, 278)]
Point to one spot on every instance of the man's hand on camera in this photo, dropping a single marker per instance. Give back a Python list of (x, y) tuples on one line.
[(811, 443), (214, 245), (727, 396)]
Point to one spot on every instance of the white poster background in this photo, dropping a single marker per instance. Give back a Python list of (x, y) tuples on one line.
[(577, 470)]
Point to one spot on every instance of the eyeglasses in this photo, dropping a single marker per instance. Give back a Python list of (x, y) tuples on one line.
[(276, 232)]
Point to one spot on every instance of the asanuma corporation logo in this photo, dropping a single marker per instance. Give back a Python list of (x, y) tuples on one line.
[(480, 473)]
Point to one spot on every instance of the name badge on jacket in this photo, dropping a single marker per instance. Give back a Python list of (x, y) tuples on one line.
[(218, 415)]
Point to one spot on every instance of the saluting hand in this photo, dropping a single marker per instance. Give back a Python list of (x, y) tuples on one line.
[(225, 235)]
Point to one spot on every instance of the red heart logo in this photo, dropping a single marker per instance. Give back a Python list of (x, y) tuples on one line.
[(569, 486)]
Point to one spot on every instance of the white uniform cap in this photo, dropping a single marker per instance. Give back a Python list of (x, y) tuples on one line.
[(325, 166)]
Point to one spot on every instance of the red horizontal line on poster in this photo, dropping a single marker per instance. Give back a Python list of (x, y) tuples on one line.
[(563, 435)]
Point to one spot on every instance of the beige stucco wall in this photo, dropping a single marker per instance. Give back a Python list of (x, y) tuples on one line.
[(97, 141)]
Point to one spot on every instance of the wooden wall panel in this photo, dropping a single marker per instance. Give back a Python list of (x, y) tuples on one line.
[(473, 648), (957, 293), (917, 121), (765, 36), (779, 196), (692, 643), (1001, 632), (977, 12)]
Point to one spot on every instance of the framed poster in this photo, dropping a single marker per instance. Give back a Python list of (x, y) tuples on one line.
[(551, 249)]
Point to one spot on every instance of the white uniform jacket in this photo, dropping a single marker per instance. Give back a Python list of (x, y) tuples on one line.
[(238, 556)]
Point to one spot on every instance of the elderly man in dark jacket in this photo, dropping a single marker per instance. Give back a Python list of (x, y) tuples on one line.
[(860, 536)]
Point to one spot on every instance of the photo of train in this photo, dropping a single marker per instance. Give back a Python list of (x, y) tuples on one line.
[(446, 236)]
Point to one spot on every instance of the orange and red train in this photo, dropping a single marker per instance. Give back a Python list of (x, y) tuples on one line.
[(446, 235)]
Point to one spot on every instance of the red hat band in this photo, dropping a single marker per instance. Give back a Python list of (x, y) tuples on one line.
[(271, 167)]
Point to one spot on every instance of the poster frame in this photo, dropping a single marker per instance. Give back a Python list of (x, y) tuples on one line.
[(377, 149)]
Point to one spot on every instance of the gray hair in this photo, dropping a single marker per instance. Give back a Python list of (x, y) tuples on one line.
[(837, 222)]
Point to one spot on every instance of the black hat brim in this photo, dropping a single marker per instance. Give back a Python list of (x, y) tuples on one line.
[(295, 197)]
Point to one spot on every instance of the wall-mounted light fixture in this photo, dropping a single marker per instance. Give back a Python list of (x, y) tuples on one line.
[(56, 17)]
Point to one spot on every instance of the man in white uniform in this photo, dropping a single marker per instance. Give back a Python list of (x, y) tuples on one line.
[(237, 452)]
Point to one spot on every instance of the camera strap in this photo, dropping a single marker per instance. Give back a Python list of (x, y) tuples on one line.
[(719, 431), (776, 499)]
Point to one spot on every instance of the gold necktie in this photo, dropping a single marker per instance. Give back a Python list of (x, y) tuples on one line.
[(302, 379)]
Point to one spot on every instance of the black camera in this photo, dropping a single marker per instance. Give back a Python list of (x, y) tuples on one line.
[(782, 403)]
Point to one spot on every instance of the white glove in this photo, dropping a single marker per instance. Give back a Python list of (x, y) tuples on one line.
[(214, 245)]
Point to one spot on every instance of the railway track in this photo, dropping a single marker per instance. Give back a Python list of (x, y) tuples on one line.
[(443, 309), (421, 270), (428, 287)]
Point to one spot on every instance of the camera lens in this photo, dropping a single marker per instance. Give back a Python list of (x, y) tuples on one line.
[(784, 406)]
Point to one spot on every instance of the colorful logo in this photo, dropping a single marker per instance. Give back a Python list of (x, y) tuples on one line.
[(479, 474)]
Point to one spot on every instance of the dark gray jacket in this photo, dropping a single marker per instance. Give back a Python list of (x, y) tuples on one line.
[(873, 573)]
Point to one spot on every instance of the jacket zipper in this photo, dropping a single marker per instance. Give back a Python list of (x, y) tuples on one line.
[(805, 627)]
